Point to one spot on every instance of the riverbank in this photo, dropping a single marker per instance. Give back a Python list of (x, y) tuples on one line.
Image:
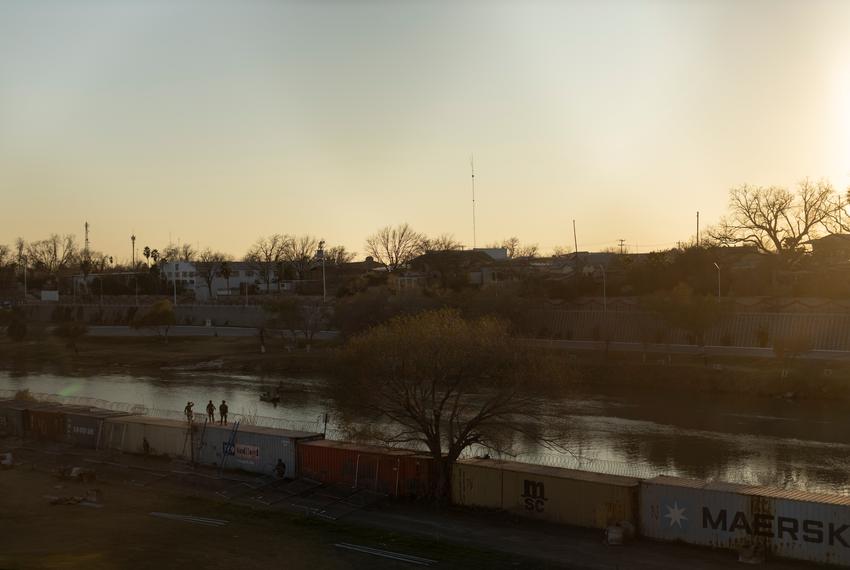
[(152, 356), (565, 370)]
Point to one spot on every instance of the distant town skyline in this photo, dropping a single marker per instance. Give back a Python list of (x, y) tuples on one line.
[(217, 123)]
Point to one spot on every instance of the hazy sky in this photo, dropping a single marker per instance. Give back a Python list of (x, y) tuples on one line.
[(216, 122)]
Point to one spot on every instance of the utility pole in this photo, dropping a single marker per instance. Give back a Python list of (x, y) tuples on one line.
[(174, 281), (622, 244), (697, 228), (575, 255), (133, 253)]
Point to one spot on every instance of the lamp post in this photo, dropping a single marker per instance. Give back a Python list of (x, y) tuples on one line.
[(604, 290), (133, 253), (25, 260), (174, 281), (717, 267), (320, 253)]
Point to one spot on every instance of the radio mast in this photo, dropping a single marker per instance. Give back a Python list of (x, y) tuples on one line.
[(472, 171)]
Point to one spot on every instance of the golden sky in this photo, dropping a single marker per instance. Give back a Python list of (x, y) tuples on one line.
[(215, 122)]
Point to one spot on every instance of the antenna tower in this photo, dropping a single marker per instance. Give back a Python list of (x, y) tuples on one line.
[(472, 171)]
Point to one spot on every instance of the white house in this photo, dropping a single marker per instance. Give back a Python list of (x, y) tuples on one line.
[(242, 274)]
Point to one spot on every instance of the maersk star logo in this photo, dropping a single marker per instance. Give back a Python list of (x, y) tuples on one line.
[(676, 514)]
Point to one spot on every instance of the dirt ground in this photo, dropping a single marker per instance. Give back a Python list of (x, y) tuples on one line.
[(121, 534)]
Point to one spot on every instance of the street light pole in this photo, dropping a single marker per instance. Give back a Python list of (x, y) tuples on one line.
[(604, 290), (321, 253), (174, 281), (716, 266), (25, 260)]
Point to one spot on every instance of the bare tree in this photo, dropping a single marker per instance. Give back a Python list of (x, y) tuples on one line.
[(208, 266), (395, 247), (438, 380), (517, 249), (338, 255), (300, 253), (52, 254), (774, 219), (562, 250), (267, 254), (443, 242), (187, 252)]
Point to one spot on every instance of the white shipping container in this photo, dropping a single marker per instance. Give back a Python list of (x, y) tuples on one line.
[(787, 524), (146, 435), (256, 449)]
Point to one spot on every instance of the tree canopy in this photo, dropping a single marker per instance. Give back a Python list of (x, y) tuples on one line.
[(437, 380)]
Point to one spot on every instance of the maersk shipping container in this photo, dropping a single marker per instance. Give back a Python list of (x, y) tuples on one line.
[(147, 435), (256, 449), (788, 524), (687, 510), (800, 525), (84, 426), (394, 472), (563, 496)]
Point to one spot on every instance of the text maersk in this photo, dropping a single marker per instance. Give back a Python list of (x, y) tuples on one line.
[(806, 530)]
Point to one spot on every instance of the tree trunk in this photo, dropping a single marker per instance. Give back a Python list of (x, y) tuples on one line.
[(443, 479)]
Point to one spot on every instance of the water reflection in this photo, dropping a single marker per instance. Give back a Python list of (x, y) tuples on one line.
[(760, 441)]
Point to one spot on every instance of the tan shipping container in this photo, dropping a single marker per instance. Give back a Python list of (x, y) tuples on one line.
[(563, 496)]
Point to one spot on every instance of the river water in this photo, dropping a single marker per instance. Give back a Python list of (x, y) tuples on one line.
[(795, 445)]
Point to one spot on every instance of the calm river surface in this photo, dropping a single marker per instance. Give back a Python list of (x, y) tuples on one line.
[(800, 445)]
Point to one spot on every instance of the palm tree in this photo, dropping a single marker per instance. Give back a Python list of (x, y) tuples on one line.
[(225, 271), (147, 253)]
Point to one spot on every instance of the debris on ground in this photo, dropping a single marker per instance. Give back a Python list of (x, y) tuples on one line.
[(190, 519), (82, 474), (387, 554)]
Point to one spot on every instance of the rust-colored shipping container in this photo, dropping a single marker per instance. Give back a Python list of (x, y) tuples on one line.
[(46, 423), (565, 496), (394, 472)]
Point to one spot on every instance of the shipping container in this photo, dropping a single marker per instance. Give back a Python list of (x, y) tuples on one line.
[(13, 417), (46, 422), (394, 472), (790, 524), (563, 496), (83, 425), (256, 449), (147, 435)]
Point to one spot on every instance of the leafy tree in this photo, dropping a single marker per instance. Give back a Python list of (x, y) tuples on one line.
[(441, 381), (226, 272), (159, 318), (297, 314), (17, 326), (395, 247), (686, 310), (71, 331)]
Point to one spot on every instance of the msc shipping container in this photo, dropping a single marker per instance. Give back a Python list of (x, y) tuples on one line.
[(394, 472), (146, 435), (256, 449), (789, 524), (564, 496)]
